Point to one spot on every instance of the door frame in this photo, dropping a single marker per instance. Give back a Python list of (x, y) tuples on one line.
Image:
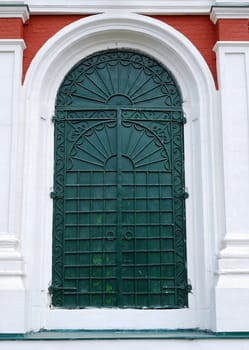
[(47, 70)]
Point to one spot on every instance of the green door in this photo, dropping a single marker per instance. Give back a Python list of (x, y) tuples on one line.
[(119, 213)]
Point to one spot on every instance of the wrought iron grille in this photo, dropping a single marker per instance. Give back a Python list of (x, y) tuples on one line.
[(119, 204)]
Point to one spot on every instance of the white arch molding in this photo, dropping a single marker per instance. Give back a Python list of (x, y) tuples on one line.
[(46, 72)]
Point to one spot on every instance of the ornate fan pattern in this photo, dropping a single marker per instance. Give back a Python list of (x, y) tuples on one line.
[(119, 77), (93, 147)]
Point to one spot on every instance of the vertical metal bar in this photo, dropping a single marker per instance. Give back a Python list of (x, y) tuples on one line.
[(160, 234), (134, 299), (135, 284), (148, 243), (91, 257), (64, 206), (104, 253), (119, 206), (173, 207), (78, 235)]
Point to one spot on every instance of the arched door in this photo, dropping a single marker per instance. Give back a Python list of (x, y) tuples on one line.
[(119, 212)]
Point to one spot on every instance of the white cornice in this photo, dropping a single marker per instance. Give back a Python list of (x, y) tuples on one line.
[(231, 46), (11, 44), (14, 11), (229, 12), (139, 6)]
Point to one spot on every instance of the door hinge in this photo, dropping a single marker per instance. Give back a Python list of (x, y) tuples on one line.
[(185, 195), (184, 120), (57, 119), (54, 195), (52, 289), (189, 288)]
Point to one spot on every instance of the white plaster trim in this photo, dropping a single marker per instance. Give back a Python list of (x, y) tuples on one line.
[(11, 273), (12, 293), (10, 44), (234, 257), (232, 289), (231, 46), (232, 272), (8, 246), (177, 343), (43, 79), (139, 6), (231, 3), (15, 47), (14, 11), (229, 13), (11, 262), (237, 239), (7, 241)]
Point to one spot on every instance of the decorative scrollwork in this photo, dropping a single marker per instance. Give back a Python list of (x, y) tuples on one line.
[(179, 213), (152, 115), (58, 220), (138, 78)]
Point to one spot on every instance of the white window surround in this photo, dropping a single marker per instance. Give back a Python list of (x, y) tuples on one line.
[(47, 70)]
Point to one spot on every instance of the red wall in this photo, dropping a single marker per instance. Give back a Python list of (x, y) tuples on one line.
[(233, 29), (198, 29), (11, 28), (38, 30)]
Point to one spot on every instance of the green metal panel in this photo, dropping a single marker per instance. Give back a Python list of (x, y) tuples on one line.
[(119, 212)]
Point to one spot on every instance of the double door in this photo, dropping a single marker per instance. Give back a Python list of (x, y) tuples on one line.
[(123, 208)]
